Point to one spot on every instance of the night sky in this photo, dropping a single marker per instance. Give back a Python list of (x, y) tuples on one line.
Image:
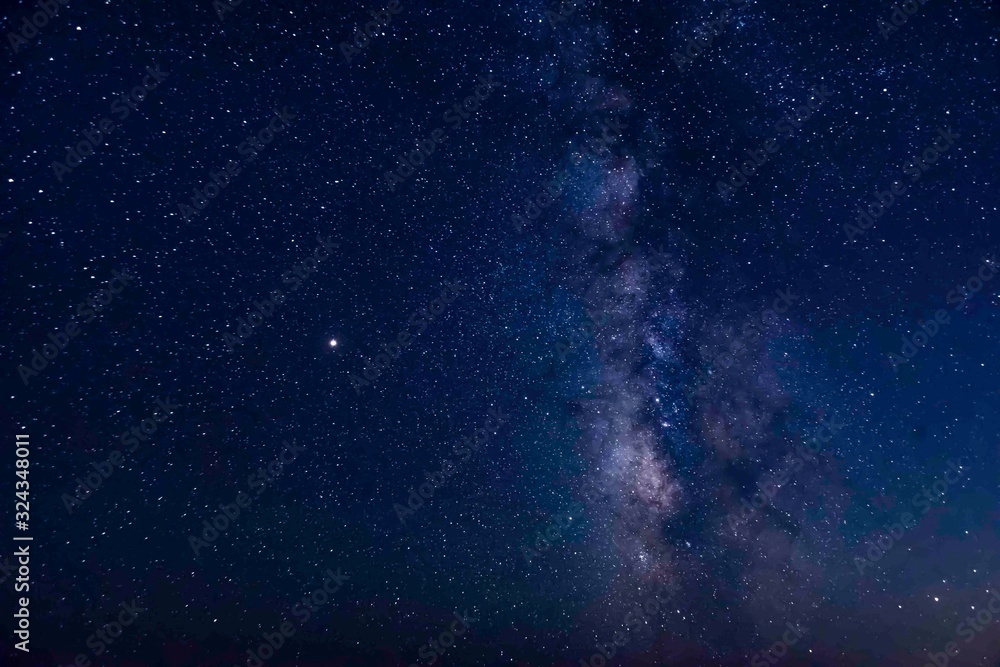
[(493, 334)]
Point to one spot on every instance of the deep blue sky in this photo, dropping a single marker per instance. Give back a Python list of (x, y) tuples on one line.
[(612, 412)]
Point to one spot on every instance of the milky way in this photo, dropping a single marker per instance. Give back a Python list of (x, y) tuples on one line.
[(742, 424)]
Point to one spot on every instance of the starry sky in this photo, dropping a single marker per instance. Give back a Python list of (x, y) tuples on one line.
[(666, 322)]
